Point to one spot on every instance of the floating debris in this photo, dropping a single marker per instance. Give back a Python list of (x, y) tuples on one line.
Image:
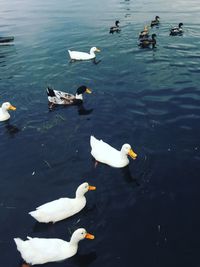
[(48, 164)]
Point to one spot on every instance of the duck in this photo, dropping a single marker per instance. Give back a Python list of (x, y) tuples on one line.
[(177, 30), (145, 33), (75, 55), (156, 21), (56, 97), (43, 250), (4, 115), (62, 208), (115, 28), (145, 43), (104, 153)]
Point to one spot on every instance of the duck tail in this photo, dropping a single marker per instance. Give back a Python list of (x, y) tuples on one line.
[(35, 215), (93, 140), (40, 216), (19, 243), (50, 92)]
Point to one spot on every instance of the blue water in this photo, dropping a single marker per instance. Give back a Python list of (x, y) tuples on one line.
[(144, 215)]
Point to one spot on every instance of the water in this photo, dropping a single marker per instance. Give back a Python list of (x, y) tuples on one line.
[(144, 215)]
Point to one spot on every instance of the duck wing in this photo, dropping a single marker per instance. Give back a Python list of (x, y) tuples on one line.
[(102, 151), (43, 250), (175, 29), (55, 204), (57, 210), (41, 244), (79, 55), (59, 97)]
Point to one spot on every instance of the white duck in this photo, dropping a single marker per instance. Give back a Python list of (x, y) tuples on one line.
[(105, 153), (62, 208), (4, 115), (43, 250), (75, 55)]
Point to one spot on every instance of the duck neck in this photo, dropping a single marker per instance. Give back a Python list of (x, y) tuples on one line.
[(92, 53), (123, 154), (74, 241), (80, 194)]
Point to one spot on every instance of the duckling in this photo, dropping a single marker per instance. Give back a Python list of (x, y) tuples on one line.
[(177, 30), (115, 28), (61, 98), (144, 34), (156, 21), (4, 115), (147, 42)]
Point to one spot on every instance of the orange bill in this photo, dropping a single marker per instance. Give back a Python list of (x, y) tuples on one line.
[(132, 154), (92, 187), (12, 107), (89, 236), (88, 91)]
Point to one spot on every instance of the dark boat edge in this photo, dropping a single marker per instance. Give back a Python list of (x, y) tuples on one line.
[(6, 39)]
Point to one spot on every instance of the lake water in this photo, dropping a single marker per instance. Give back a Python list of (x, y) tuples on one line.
[(146, 215)]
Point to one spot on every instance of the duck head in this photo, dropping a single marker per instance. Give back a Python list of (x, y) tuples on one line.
[(79, 235), (4, 115), (157, 18), (153, 36), (180, 25), (83, 89), (117, 23), (126, 148), (7, 106), (84, 188), (94, 49)]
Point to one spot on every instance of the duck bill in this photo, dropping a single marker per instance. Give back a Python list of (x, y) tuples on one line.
[(98, 50), (12, 107), (89, 236), (88, 91), (91, 188), (132, 154)]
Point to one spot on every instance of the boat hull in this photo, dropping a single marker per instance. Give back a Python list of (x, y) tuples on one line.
[(6, 39)]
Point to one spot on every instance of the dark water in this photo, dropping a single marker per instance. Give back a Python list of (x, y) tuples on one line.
[(144, 215)]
